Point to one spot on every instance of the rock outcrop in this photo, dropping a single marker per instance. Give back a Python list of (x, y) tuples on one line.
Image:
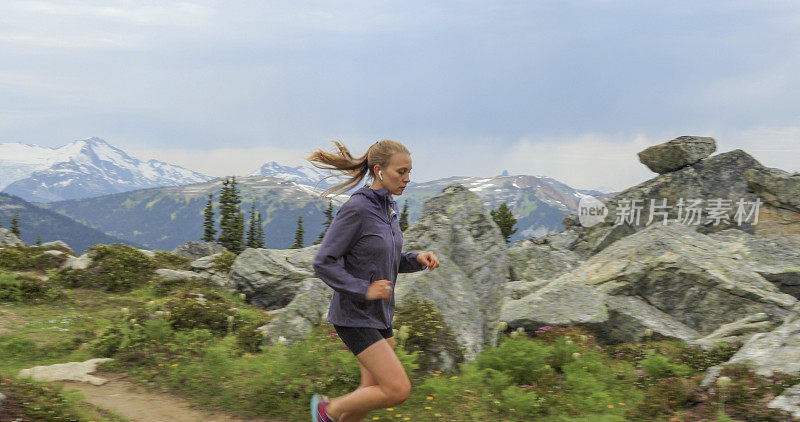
[(271, 277), (196, 250), (678, 282), (469, 286)]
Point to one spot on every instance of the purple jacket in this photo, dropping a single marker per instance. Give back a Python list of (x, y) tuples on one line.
[(363, 244)]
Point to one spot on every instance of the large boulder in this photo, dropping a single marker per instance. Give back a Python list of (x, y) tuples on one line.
[(693, 277), (677, 153), (469, 286), (672, 280), (774, 257), (308, 308), (8, 238), (195, 250), (539, 259), (271, 277), (613, 319)]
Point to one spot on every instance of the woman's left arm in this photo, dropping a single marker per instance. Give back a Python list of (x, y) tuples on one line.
[(414, 261)]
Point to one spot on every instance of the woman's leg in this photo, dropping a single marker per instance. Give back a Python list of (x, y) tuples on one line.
[(367, 380), (393, 386)]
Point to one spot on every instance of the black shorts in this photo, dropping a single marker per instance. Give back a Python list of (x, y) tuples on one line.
[(359, 338)]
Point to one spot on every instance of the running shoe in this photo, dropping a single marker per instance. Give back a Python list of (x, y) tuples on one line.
[(318, 405)]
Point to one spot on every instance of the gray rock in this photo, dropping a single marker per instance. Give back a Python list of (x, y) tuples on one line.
[(775, 351), (469, 287), (556, 304), (612, 319), (2, 397), (789, 401), (57, 244), (521, 288), (271, 277), (9, 239), (76, 263), (630, 317), (205, 263), (308, 308), (531, 261), (677, 153), (206, 267), (178, 274), (71, 371), (779, 188), (737, 332), (690, 276), (195, 250), (776, 258)]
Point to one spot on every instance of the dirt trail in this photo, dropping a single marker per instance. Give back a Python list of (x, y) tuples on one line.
[(137, 404)]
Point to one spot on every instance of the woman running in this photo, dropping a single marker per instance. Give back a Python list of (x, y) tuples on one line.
[(359, 258)]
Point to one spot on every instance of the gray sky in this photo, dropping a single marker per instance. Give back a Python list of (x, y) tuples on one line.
[(567, 89)]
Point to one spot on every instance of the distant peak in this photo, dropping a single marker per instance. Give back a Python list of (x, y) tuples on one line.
[(95, 140)]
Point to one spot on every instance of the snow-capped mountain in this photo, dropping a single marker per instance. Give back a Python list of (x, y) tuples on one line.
[(82, 169), (301, 174)]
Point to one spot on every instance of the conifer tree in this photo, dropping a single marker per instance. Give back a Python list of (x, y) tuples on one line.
[(231, 224), (505, 220), (238, 233), (327, 223), (15, 224), (252, 230), (298, 235), (404, 216), (259, 237), (208, 220)]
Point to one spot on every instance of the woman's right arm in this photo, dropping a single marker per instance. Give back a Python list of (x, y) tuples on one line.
[(342, 234)]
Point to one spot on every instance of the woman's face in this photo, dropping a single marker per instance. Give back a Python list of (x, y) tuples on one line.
[(395, 175)]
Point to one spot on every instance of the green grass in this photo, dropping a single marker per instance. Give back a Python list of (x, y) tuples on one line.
[(556, 374)]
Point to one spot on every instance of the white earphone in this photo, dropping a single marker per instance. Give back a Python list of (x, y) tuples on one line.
[(380, 175)]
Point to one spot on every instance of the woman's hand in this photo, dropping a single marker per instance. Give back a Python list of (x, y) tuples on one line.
[(379, 289), (429, 260)]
